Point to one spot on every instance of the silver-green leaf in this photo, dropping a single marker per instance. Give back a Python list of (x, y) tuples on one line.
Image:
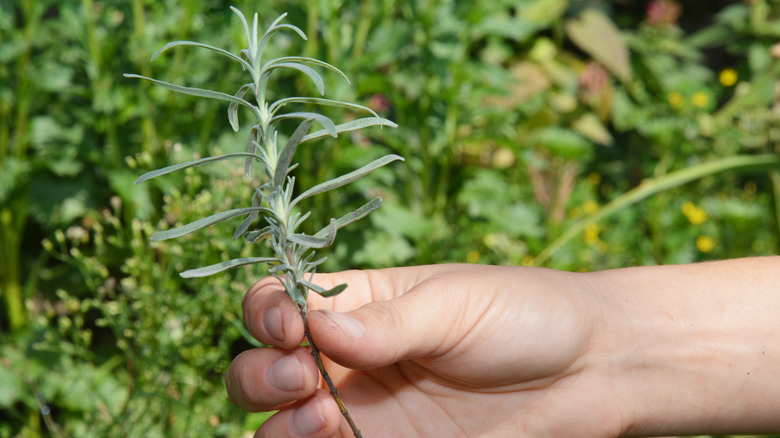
[(223, 266), (347, 178), (224, 52), (287, 152), (356, 215), (203, 223), (352, 125), (326, 122), (208, 160)]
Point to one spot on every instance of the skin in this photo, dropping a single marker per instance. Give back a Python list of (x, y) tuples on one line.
[(488, 351)]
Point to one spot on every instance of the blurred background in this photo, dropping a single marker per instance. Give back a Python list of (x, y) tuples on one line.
[(572, 134)]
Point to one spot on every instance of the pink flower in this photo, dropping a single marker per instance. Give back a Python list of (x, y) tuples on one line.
[(663, 13)]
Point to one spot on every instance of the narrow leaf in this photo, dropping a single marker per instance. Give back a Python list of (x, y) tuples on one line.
[(318, 101), (251, 149), (314, 61), (285, 156), (257, 199), (210, 94), (203, 223), (224, 52), (308, 241), (308, 71), (356, 215), (335, 291), (321, 290), (280, 267), (222, 266), (200, 162), (246, 27), (257, 235), (353, 125), (233, 106), (324, 240), (275, 26), (326, 122), (347, 178)]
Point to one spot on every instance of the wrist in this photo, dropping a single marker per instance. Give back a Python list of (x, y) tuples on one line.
[(692, 349)]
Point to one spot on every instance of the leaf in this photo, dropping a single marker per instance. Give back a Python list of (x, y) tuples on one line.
[(275, 26), (208, 160), (224, 52), (308, 71), (316, 241), (203, 223), (257, 199), (254, 133), (246, 27), (285, 156), (210, 94), (318, 101), (334, 291), (233, 107), (257, 235), (223, 266), (352, 125), (356, 215), (321, 290), (326, 122), (597, 35), (347, 178), (317, 62)]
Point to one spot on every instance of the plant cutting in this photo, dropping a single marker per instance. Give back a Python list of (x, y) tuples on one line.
[(275, 215)]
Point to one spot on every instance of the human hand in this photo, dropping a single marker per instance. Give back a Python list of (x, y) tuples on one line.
[(432, 351)]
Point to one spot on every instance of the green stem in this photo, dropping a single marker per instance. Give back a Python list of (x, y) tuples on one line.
[(652, 186), (333, 391), (11, 286)]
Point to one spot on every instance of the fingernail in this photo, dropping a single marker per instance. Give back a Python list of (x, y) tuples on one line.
[(347, 324), (273, 323), (286, 374), (308, 418)]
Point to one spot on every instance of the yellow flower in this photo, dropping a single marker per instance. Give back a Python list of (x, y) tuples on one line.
[(696, 215), (591, 235), (728, 77), (590, 207), (472, 257), (700, 99), (705, 243), (676, 100)]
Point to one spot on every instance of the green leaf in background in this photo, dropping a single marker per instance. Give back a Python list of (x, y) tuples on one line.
[(563, 142)]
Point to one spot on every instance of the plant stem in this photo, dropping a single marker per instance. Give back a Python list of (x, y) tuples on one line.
[(333, 391)]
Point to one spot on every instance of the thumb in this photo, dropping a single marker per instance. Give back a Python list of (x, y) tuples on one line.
[(411, 326)]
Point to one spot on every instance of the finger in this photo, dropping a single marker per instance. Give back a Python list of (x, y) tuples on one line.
[(422, 322), (265, 379), (270, 315), (317, 417)]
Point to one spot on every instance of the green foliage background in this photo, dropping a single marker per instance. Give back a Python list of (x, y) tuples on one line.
[(577, 134)]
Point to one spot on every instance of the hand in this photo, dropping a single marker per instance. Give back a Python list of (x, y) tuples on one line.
[(433, 351)]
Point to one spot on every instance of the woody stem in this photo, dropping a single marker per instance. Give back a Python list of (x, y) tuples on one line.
[(333, 391)]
